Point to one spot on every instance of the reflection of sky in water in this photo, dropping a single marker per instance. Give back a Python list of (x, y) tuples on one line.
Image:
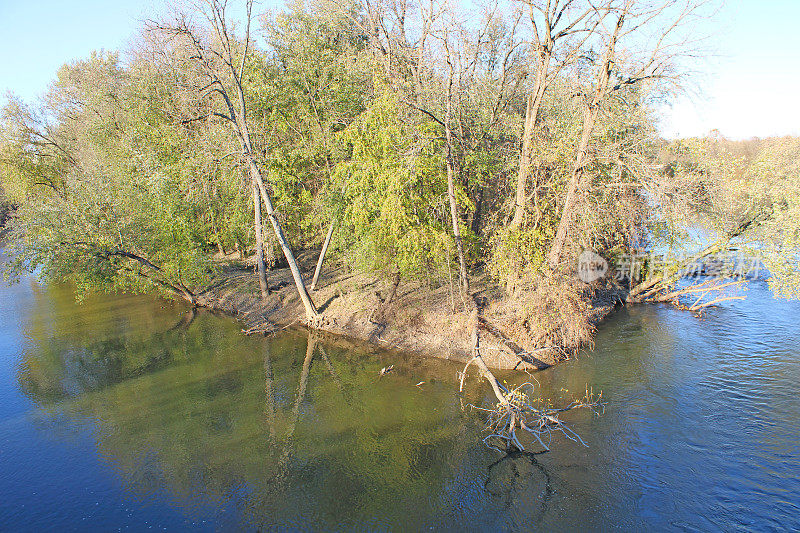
[(14, 301), (147, 416)]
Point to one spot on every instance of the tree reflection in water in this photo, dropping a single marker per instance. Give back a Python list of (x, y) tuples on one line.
[(252, 425), (514, 478)]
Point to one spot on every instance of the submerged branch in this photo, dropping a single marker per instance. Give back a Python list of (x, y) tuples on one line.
[(515, 408)]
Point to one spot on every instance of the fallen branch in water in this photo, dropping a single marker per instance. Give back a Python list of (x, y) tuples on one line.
[(515, 408), (652, 287), (702, 289), (517, 411)]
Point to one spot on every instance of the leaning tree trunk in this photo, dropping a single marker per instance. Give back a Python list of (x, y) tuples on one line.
[(647, 288), (567, 212), (237, 117), (526, 155), (322, 253), (262, 270), (255, 174), (311, 311), (589, 121)]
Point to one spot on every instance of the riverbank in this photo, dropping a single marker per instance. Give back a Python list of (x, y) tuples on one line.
[(114, 414), (524, 332), (412, 316)]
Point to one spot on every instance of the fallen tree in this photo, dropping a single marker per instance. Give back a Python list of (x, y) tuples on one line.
[(661, 287), (515, 409)]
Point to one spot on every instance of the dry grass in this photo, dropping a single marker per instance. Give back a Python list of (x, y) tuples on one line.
[(549, 312)]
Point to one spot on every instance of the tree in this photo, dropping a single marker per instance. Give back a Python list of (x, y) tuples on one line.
[(314, 84), (660, 27), (744, 196), (450, 164), (101, 204), (223, 61), (559, 29)]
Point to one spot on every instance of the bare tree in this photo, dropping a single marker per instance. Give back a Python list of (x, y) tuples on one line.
[(652, 32), (217, 59), (559, 29)]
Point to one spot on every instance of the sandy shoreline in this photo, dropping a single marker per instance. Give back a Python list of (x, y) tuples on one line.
[(430, 322)]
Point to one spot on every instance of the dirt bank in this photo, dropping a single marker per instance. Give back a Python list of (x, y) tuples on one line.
[(412, 316)]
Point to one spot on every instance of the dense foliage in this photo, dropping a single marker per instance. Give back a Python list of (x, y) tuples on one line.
[(752, 184), (397, 125)]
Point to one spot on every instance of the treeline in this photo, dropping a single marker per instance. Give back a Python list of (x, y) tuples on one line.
[(6, 208), (421, 138), (745, 194)]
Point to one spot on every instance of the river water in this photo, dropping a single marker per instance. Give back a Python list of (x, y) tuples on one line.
[(128, 412)]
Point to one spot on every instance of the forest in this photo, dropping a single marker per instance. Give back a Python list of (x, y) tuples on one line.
[(479, 149)]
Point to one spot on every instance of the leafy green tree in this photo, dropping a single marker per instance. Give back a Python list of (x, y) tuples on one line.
[(101, 205), (391, 193)]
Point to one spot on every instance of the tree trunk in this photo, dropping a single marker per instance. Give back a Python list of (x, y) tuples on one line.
[(311, 311), (451, 191), (567, 212), (531, 117), (237, 117), (262, 271), (322, 254), (589, 120), (464, 278)]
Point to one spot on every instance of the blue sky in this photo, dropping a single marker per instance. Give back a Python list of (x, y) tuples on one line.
[(749, 87), (38, 36)]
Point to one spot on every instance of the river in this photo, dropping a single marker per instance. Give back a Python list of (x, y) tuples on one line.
[(128, 412)]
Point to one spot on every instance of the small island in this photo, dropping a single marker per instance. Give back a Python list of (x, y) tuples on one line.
[(473, 192)]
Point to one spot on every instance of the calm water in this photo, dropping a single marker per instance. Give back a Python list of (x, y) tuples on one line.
[(129, 412)]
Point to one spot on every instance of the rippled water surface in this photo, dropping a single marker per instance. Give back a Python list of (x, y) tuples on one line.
[(129, 412)]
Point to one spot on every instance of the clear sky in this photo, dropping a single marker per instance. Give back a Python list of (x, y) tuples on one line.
[(38, 36), (750, 87)]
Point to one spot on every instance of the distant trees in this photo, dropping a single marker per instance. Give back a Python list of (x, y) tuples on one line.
[(745, 195)]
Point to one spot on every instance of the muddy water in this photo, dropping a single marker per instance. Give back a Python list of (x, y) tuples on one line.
[(129, 412)]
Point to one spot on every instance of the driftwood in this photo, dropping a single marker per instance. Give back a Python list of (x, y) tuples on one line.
[(651, 288), (260, 329), (515, 408), (527, 358), (703, 289)]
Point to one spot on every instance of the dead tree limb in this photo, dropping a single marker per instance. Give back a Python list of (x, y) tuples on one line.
[(515, 409)]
